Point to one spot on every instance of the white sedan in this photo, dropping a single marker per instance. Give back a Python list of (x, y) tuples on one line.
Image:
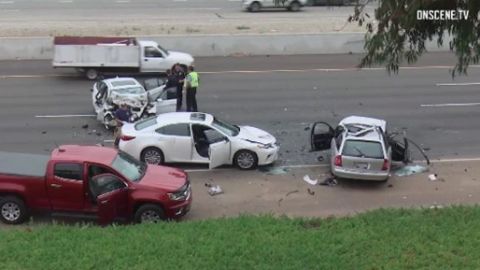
[(197, 138)]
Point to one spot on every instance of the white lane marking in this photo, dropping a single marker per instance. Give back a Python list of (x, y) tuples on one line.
[(122, 1), (7, 2), (453, 160), (254, 71), (328, 69), (459, 84), (35, 76), (180, 0), (451, 105), (109, 141), (65, 116), (286, 166), (65, 1)]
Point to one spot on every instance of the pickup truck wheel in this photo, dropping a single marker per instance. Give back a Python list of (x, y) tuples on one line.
[(152, 155), (12, 210), (149, 213), (294, 6), (91, 74), (255, 7), (245, 160)]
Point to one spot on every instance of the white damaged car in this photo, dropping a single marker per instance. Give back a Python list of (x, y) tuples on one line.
[(184, 137), (109, 94)]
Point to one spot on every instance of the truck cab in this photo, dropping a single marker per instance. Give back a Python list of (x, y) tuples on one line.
[(154, 58), (95, 182)]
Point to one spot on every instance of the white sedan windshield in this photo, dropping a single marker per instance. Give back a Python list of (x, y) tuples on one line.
[(130, 90), (225, 127)]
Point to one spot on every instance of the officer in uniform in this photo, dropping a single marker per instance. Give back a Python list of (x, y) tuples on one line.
[(191, 83)]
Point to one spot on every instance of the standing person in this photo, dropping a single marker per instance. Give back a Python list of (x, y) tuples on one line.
[(122, 115), (179, 74), (191, 83), (171, 79)]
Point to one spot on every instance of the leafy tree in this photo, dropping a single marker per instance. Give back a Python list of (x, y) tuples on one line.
[(397, 35)]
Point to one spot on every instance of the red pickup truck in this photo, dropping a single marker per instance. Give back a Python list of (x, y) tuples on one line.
[(90, 181)]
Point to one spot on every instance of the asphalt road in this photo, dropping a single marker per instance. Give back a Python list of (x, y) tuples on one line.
[(30, 10), (442, 118)]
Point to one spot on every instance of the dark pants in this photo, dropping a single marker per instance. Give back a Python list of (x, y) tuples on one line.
[(179, 97), (192, 99)]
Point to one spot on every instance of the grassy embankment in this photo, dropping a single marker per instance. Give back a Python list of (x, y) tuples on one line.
[(383, 239)]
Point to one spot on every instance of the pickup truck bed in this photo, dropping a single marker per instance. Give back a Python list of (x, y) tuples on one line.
[(23, 164)]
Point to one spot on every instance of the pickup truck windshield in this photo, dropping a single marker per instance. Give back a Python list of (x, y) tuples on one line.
[(129, 167), (163, 50)]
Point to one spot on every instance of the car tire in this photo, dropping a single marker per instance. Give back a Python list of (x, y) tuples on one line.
[(255, 7), (13, 210), (294, 6), (152, 155), (149, 213), (245, 160), (91, 74)]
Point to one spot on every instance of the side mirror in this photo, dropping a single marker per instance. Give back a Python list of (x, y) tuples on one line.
[(226, 139)]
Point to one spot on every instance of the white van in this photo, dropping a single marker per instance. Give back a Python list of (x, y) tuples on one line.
[(257, 5)]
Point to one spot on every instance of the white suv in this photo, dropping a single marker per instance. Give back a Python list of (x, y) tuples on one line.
[(257, 5)]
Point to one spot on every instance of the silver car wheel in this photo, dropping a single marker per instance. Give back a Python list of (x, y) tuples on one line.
[(245, 160), (152, 157), (150, 216), (11, 211)]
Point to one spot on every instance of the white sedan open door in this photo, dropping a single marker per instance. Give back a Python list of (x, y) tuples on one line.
[(219, 153)]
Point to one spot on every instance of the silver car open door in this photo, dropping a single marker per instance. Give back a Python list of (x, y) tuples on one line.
[(321, 135)]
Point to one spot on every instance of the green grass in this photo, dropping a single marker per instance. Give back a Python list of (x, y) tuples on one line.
[(384, 239)]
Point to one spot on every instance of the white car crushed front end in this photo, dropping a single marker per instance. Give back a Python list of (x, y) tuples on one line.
[(259, 141)]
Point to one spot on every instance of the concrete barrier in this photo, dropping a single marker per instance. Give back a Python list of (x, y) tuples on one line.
[(216, 45)]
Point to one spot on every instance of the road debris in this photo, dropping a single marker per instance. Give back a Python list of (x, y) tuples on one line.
[(44, 132), (390, 186), (329, 181), (312, 182), (215, 190), (291, 192), (311, 192), (432, 177), (306, 128), (410, 169), (85, 126)]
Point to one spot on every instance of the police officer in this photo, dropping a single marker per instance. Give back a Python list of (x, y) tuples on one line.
[(179, 73), (192, 83)]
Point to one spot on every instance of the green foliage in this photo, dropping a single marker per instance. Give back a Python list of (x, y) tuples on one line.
[(399, 36), (383, 239)]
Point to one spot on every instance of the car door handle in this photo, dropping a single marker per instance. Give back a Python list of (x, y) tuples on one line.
[(55, 185), (146, 60), (104, 202)]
